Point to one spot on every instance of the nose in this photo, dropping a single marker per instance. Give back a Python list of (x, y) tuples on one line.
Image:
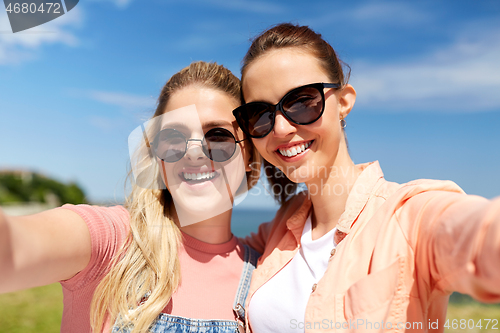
[(194, 150), (282, 127)]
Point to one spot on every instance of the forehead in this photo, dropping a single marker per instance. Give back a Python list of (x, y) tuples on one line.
[(195, 106), (275, 73)]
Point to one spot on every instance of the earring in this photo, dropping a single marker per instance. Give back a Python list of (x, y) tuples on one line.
[(342, 123)]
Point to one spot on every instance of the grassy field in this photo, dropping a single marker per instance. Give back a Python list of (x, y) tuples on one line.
[(33, 310), (39, 310)]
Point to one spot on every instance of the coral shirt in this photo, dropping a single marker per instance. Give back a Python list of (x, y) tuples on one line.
[(402, 249), (210, 273)]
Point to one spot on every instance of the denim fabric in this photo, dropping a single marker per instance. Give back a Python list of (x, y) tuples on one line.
[(168, 323)]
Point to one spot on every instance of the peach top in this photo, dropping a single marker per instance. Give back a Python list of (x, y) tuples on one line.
[(402, 249)]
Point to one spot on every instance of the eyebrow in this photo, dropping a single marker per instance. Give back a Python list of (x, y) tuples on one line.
[(174, 125), (209, 124), (216, 123)]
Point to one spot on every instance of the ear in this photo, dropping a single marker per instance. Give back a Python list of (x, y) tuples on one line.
[(347, 98), (247, 160)]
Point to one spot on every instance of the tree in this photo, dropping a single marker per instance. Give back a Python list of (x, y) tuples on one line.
[(23, 187)]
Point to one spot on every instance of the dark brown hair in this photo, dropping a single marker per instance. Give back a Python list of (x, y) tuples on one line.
[(287, 35)]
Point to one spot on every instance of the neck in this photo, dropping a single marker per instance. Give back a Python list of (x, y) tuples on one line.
[(215, 230), (329, 193)]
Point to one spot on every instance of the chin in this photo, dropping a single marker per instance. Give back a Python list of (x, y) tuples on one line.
[(299, 175), (192, 210)]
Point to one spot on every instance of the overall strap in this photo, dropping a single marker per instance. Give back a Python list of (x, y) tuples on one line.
[(249, 264)]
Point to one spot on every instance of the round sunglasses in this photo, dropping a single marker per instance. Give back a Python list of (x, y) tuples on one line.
[(218, 144), (302, 106)]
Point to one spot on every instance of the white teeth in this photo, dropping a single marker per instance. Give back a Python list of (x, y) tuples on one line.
[(294, 150), (198, 176)]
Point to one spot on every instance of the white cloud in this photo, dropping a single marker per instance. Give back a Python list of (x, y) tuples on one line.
[(259, 7), (464, 76), (123, 100), (388, 12), (373, 13), (122, 4), (131, 109), (24, 45)]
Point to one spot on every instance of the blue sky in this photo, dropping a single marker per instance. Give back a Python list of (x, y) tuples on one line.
[(427, 74)]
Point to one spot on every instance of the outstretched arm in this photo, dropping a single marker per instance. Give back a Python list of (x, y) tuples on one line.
[(41, 249), (459, 243)]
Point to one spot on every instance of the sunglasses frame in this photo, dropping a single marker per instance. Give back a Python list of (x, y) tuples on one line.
[(279, 107), (153, 144)]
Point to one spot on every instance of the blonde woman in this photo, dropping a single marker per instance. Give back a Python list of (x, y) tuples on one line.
[(167, 261)]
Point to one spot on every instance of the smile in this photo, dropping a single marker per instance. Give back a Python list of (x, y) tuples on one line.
[(294, 150), (200, 176)]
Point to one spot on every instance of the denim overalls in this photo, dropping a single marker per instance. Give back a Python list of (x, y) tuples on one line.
[(168, 323)]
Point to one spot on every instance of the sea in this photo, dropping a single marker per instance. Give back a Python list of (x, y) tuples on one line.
[(247, 220)]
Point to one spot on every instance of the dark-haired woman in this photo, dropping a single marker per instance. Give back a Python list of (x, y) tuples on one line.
[(355, 252)]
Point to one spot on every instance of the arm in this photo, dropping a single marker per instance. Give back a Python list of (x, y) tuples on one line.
[(458, 245), (42, 248)]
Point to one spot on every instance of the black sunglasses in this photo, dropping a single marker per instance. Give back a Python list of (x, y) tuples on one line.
[(218, 144), (302, 106)]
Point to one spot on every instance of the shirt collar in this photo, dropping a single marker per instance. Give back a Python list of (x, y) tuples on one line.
[(358, 197)]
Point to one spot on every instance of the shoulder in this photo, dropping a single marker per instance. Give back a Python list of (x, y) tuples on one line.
[(105, 224), (108, 228), (420, 192), (89, 211), (401, 193), (425, 200), (117, 215)]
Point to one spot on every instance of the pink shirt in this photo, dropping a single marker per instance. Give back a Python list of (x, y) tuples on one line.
[(209, 273), (402, 249)]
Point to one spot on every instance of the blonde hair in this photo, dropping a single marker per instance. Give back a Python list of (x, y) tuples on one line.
[(148, 263)]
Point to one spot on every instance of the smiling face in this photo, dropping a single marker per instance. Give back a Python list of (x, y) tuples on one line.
[(300, 151), (200, 187)]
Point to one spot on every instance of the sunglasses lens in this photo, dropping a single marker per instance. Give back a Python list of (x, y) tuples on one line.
[(170, 145), (257, 119), (304, 105), (219, 144)]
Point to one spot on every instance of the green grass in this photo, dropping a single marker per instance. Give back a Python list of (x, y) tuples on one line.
[(479, 313), (33, 310), (40, 310)]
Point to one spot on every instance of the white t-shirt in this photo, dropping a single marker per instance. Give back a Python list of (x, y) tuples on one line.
[(280, 304)]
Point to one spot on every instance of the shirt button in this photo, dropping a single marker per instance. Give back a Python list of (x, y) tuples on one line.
[(332, 253), (314, 287)]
